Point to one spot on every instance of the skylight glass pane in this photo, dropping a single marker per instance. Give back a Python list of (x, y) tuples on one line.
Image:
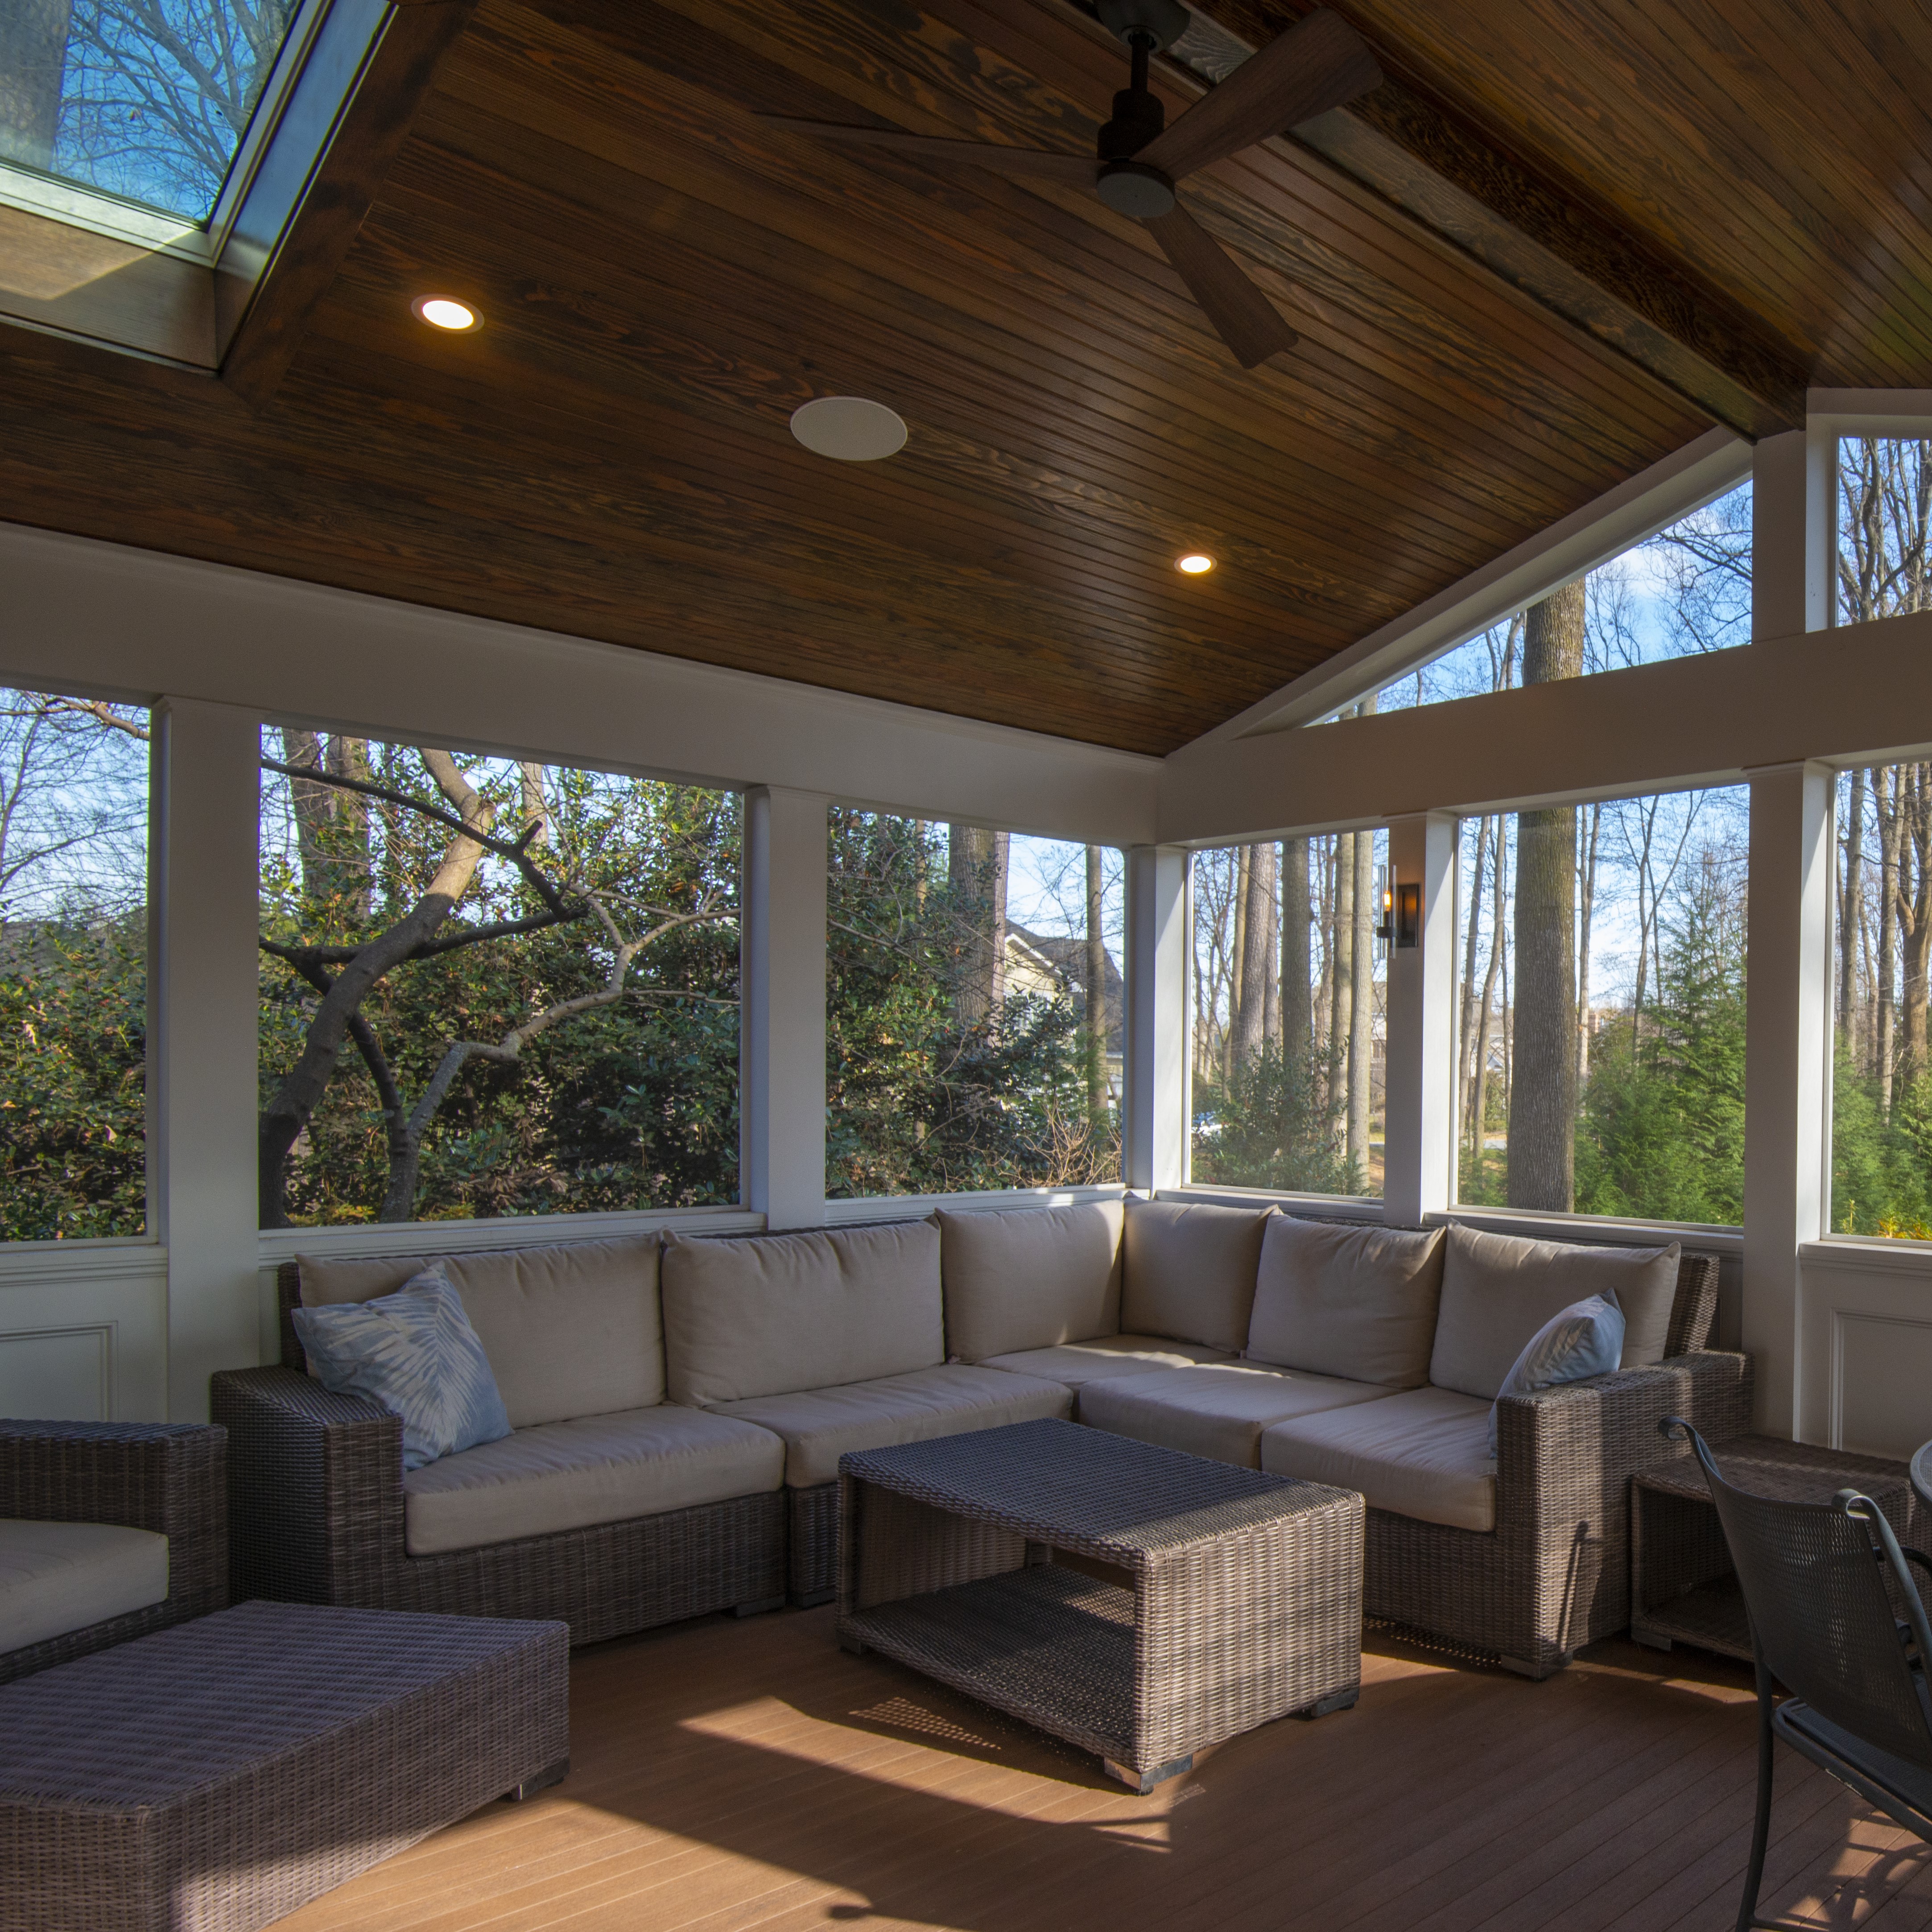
[(146, 100)]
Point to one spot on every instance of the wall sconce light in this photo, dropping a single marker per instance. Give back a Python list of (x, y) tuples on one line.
[(1385, 932), (1408, 915)]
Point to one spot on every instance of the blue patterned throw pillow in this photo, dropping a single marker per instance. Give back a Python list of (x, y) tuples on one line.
[(415, 1352), (1587, 1339)]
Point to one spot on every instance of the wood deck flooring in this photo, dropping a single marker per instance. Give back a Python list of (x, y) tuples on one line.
[(731, 1775)]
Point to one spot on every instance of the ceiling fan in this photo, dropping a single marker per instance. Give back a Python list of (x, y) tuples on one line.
[(1319, 63)]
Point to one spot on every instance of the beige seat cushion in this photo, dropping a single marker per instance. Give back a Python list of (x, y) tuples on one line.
[(819, 1425), (572, 1329), (1077, 1363), (1499, 1290), (569, 1475), (55, 1577), (1423, 1453), (1030, 1277), (1358, 1302), (1218, 1410), (1189, 1270), (768, 1315)]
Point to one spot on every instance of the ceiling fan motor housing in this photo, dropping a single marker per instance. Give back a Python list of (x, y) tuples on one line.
[(1132, 187), (1139, 116)]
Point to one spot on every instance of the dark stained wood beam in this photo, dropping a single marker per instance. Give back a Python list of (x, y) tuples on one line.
[(1543, 238), (313, 244)]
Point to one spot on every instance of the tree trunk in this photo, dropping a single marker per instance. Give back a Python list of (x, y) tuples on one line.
[(1917, 922), (1466, 1034), (1885, 798), (314, 808), (1297, 1013), (1479, 1100), (1271, 988), (1342, 977), (355, 874), (1850, 895), (977, 872), (33, 64), (1257, 954), (1096, 988), (1542, 1092), (1362, 1005), (1587, 880)]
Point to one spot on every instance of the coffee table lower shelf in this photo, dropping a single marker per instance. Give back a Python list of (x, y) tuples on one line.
[(1046, 1644), (1711, 1617)]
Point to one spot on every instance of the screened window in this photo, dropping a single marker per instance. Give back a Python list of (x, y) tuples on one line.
[(1685, 590), (973, 1009), (1288, 986), (490, 988), (1601, 1040), (74, 968), (148, 101)]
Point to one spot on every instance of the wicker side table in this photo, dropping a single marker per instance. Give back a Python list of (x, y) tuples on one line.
[(1141, 1603), (1682, 1587), (213, 1777)]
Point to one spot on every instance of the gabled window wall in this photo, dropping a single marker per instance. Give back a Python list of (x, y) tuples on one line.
[(74, 968), (1288, 985), (974, 1021)]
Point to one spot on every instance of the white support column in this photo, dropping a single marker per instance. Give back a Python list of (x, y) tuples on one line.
[(1787, 1070), (1787, 1066), (1155, 1153), (781, 1036), (1418, 1121), (202, 1003)]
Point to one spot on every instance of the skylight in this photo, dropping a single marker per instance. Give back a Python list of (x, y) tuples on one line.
[(114, 110)]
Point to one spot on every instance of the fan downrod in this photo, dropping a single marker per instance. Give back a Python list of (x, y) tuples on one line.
[(1127, 186)]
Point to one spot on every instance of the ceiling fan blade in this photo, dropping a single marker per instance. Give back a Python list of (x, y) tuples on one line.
[(1319, 63), (1078, 169), (1243, 318)]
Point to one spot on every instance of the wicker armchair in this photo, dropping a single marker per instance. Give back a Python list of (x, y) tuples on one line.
[(1554, 1574), (316, 1516), (167, 1478)]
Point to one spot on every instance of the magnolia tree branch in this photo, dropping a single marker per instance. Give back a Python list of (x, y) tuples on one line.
[(406, 1136)]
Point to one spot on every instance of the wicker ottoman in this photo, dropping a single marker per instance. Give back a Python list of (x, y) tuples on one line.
[(221, 1773), (1139, 1603)]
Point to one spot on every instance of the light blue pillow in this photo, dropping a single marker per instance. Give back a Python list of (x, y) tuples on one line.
[(415, 1352), (1587, 1339)]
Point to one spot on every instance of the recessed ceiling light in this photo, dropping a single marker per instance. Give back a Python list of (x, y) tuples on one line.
[(446, 312), (849, 428), (1195, 563)]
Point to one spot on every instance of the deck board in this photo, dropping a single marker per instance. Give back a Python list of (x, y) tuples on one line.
[(752, 1777)]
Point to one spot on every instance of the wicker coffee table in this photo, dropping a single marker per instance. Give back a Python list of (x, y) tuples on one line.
[(1141, 1603), (213, 1777), (1683, 1589)]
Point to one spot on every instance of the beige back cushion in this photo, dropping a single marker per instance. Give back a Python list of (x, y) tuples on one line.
[(1030, 1277), (1358, 1302), (1190, 1271), (1499, 1290), (571, 1330), (771, 1314)]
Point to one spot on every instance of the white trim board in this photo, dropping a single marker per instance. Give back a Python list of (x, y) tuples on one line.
[(1857, 695), (1686, 481), (103, 618)]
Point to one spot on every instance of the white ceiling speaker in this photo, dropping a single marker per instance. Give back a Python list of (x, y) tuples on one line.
[(849, 429)]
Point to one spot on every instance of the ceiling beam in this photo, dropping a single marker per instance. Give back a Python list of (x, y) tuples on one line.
[(331, 203), (1542, 237)]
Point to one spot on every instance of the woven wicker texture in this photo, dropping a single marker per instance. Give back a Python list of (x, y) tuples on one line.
[(213, 1777), (1683, 1588), (168, 1477), (1245, 1602), (316, 1516)]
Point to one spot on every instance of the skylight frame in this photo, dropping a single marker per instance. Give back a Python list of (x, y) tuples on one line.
[(143, 226)]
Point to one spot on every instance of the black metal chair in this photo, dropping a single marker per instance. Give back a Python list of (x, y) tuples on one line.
[(1836, 1619)]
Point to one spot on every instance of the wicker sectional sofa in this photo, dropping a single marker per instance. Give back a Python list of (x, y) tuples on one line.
[(679, 1410)]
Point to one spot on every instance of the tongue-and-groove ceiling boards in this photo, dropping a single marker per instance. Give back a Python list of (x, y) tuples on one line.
[(1560, 241)]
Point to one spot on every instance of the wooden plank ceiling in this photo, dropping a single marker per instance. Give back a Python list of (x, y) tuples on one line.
[(664, 280)]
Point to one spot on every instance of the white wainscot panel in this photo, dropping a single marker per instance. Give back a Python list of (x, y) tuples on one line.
[(83, 1331), (1867, 1324)]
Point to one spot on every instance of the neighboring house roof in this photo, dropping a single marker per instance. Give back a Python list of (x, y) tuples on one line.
[(1037, 962)]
